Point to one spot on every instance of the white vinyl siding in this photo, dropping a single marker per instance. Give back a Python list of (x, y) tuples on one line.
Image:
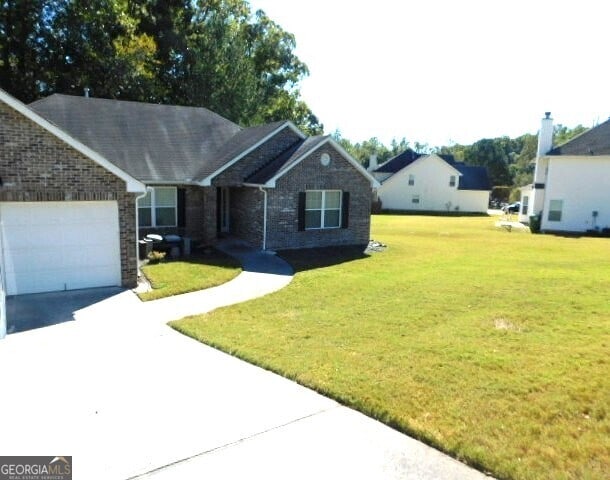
[(525, 205)]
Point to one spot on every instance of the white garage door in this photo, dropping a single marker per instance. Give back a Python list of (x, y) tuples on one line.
[(52, 246)]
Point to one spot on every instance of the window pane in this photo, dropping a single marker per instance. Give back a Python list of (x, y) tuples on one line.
[(411, 179), (555, 208), (331, 218), (313, 219), (144, 202), (452, 181), (313, 200), (165, 197), (166, 217), (333, 199), (144, 217)]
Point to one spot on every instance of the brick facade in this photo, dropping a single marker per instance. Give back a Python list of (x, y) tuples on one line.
[(247, 206), (246, 219), (36, 166)]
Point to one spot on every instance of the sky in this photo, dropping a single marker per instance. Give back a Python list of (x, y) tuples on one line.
[(449, 71)]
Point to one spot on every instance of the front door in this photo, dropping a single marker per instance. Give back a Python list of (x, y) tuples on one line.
[(224, 209)]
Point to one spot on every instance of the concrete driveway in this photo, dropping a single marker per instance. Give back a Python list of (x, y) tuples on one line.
[(27, 312), (127, 397)]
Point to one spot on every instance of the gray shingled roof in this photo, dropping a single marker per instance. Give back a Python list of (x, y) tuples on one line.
[(285, 159), (239, 143), (150, 142), (595, 141)]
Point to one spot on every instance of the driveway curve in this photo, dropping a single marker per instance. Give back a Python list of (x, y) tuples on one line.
[(128, 397)]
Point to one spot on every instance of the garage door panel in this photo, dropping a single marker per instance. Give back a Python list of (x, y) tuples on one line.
[(51, 246)]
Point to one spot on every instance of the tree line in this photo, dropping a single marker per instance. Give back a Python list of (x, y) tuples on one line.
[(218, 54), (213, 53)]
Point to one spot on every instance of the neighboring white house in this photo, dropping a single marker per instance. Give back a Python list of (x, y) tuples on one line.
[(571, 188), (412, 181)]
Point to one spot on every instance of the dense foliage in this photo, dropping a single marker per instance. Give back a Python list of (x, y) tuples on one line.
[(213, 53)]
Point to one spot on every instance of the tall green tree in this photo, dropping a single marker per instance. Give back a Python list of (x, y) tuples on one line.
[(489, 153), (211, 53), (24, 29), (94, 44)]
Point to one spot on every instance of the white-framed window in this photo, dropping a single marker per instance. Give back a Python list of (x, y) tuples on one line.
[(415, 199), (452, 181), (158, 208), (525, 205), (555, 209), (322, 209), (411, 179)]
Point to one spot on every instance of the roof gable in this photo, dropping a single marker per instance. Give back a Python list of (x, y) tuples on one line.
[(241, 145), (132, 184), (410, 164), (154, 143), (291, 157), (471, 177), (595, 141)]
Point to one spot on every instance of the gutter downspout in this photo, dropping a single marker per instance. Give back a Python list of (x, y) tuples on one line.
[(264, 217), (148, 189)]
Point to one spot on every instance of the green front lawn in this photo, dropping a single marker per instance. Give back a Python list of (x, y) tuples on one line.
[(196, 272), (490, 345)]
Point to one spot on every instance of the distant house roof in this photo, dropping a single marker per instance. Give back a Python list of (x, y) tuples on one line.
[(150, 142), (472, 178), (595, 141), (398, 162)]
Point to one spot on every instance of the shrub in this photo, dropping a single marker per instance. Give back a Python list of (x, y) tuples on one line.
[(155, 257)]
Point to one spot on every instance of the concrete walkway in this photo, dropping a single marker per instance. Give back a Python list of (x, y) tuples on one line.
[(128, 398)]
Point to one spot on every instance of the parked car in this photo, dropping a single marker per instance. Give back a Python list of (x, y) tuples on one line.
[(512, 208)]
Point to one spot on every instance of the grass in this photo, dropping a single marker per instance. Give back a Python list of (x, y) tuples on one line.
[(492, 346), (196, 272)]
